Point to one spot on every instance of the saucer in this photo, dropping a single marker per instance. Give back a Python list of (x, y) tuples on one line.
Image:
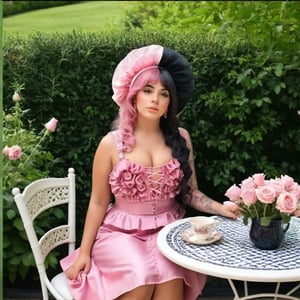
[(188, 236)]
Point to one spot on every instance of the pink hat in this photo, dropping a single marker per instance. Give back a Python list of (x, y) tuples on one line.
[(138, 60)]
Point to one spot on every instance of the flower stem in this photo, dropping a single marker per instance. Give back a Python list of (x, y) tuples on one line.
[(36, 146), (256, 212), (265, 209)]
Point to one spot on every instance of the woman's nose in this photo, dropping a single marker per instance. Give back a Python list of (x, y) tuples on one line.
[(154, 98)]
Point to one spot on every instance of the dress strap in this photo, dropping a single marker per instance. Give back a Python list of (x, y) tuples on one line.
[(119, 143)]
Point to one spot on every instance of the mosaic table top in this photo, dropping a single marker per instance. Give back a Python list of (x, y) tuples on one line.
[(234, 252)]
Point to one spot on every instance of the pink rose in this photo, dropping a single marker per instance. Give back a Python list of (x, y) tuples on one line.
[(15, 152), (296, 191), (51, 125), (233, 193), (172, 170), (128, 179), (6, 150), (16, 96), (259, 179), (287, 182), (248, 195), (286, 203), (277, 185), (265, 194), (133, 195), (248, 183)]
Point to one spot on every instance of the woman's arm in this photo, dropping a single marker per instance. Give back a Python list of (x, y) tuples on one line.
[(99, 202), (200, 201)]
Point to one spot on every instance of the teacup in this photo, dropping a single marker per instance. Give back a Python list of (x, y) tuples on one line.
[(202, 226)]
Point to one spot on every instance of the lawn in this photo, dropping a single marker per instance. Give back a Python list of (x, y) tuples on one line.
[(88, 16)]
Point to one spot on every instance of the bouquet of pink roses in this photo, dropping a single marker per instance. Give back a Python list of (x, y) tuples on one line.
[(265, 199)]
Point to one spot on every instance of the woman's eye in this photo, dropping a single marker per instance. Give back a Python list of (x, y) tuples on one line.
[(147, 91), (166, 95)]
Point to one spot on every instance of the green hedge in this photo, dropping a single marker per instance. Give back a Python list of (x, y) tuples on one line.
[(242, 118)]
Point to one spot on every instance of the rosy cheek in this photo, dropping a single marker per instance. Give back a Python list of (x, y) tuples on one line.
[(141, 100), (165, 103)]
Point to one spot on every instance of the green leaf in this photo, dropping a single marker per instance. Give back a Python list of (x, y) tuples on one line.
[(19, 224), (278, 70), (285, 218), (277, 89), (59, 213), (15, 260), (245, 220), (265, 221), (27, 260), (52, 260), (18, 249), (10, 214)]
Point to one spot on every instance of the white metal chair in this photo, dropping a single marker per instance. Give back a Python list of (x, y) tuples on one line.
[(37, 197)]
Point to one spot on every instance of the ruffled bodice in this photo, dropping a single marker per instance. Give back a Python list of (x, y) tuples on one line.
[(144, 196), (132, 182)]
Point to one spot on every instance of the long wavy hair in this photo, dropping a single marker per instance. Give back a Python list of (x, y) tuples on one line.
[(126, 123)]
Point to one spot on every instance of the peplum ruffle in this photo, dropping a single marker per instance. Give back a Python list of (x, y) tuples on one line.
[(134, 218)]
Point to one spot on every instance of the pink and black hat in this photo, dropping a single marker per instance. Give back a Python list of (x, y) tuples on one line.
[(141, 59)]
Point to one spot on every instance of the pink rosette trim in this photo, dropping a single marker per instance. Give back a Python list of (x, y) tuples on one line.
[(129, 181), (132, 182)]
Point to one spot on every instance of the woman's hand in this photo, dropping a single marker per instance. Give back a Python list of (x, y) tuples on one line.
[(82, 263), (297, 213), (230, 211)]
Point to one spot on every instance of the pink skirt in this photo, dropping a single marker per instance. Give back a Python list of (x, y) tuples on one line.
[(122, 261)]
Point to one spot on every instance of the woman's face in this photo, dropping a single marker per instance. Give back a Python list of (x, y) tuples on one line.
[(153, 100)]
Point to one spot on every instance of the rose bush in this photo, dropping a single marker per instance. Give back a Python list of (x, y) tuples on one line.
[(22, 147), (266, 200), (24, 161)]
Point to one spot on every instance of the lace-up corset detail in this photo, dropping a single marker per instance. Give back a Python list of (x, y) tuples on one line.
[(136, 183), (133, 182)]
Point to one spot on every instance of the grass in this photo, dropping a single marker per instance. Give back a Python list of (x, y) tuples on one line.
[(88, 16)]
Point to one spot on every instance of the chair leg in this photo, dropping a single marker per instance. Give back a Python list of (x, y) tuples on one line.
[(44, 291)]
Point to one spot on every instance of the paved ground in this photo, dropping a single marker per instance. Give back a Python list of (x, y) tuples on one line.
[(215, 289), (200, 298)]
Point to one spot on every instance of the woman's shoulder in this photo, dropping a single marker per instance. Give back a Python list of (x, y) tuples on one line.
[(184, 133), (108, 141), (107, 148)]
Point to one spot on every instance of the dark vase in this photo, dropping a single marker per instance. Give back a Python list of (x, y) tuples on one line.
[(267, 237)]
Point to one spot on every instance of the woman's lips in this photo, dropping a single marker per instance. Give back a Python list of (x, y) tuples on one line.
[(154, 109)]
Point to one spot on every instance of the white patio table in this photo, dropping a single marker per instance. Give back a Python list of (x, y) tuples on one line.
[(234, 257)]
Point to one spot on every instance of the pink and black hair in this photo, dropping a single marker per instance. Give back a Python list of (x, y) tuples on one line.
[(151, 64)]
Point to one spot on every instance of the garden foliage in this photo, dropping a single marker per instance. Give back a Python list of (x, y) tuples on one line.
[(243, 117)]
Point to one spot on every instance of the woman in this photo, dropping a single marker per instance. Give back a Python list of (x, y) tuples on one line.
[(146, 163)]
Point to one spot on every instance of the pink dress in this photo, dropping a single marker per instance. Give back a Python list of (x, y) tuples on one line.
[(125, 254)]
